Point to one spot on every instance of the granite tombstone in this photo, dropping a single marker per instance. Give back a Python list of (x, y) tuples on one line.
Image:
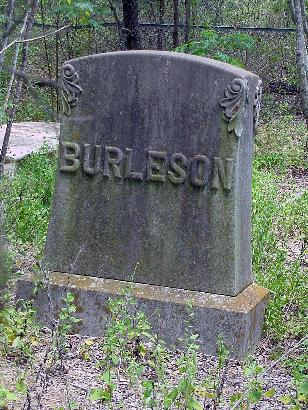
[(155, 163)]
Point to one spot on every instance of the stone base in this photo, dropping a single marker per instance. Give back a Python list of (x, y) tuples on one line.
[(238, 319)]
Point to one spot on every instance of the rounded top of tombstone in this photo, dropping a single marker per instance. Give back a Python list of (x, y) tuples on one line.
[(170, 55)]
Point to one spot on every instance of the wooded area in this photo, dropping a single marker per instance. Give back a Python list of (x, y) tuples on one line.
[(51, 32)]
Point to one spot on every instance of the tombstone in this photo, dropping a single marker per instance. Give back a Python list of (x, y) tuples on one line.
[(154, 189)]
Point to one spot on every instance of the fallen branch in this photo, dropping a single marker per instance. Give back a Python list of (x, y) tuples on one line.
[(17, 41)]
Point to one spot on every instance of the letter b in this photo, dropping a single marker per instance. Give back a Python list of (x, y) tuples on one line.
[(72, 157)]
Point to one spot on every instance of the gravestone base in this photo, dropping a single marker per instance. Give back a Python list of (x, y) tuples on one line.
[(238, 319)]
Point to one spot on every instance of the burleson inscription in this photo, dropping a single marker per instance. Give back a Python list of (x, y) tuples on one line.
[(160, 166)]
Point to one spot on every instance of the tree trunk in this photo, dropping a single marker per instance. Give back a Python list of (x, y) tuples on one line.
[(161, 11), (301, 53), (7, 28), (47, 57), (131, 24), (187, 21), (119, 24), (305, 24), (175, 23), (15, 60), (4, 269), (32, 6)]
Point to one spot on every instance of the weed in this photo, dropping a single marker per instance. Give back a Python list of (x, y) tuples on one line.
[(18, 331), (184, 393), (7, 396), (62, 328)]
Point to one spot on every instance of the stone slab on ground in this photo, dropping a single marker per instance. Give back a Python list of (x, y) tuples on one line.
[(238, 319), (29, 137)]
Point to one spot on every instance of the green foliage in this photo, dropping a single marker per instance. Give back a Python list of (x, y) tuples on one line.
[(18, 331), (62, 328), (27, 199), (219, 47), (280, 144), (278, 219), (7, 396), (67, 320), (77, 11), (183, 395), (130, 348), (82, 12), (122, 345), (5, 260), (298, 401), (35, 106), (211, 387), (271, 264), (254, 389), (299, 369)]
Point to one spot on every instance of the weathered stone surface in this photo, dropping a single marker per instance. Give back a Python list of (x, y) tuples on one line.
[(237, 319), (155, 169)]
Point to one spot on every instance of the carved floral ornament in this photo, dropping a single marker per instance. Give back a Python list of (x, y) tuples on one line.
[(234, 103), (70, 89)]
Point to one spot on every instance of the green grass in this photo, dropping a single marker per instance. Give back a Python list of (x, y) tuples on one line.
[(278, 218), (275, 216), (35, 103), (27, 198), (281, 144), (279, 221)]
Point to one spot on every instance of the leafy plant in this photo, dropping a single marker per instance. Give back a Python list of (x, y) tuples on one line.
[(219, 47), (82, 11), (18, 331), (8, 395), (184, 394), (67, 319), (299, 400), (5, 261), (211, 387), (299, 369), (254, 391), (62, 328), (122, 345)]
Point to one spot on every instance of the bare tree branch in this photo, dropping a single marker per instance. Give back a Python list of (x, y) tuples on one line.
[(32, 6), (175, 33), (16, 41), (297, 11), (119, 23), (7, 28), (292, 10), (161, 11), (21, 37), (187, 20)]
